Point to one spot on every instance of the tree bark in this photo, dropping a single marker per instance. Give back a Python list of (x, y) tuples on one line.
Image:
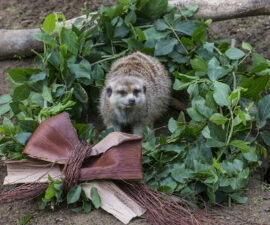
[(21, 42), (226, 9)]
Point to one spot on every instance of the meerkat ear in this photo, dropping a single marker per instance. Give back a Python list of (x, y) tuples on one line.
[(144, 89), (108, 91)]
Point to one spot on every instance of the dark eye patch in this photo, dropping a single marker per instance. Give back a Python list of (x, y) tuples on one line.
[(122, 93), (136, 91), (109, 91)]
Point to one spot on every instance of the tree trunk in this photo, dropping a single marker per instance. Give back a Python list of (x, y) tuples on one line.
[(226, 9), (20, 42)]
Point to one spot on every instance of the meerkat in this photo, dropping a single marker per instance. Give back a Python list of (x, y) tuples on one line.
[(136, 93)]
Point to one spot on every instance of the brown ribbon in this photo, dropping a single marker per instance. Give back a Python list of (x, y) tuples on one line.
[(118, 156)]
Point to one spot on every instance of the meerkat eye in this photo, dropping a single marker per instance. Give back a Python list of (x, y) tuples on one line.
[(136, 91), (123, 93), (109, 91)]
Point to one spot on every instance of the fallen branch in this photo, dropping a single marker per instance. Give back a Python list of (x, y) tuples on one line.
[(226, 9), (20, 42)]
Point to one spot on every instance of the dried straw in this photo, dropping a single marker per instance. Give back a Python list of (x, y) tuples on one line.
[(161, 209), (23, 192), (74, 164)]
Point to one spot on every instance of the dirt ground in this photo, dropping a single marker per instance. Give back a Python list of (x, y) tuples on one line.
[(16, 14)]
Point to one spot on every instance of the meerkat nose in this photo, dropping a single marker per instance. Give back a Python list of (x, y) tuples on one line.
[(131, 101)]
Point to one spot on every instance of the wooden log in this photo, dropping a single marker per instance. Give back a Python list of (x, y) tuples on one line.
[(20, 42), (226, 9)]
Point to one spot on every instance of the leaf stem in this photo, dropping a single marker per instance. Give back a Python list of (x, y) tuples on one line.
[(144, 26), (234, 81), (104, 60), (172, 29), (231, 130), (101, 44), (218, 51), (244, 58)]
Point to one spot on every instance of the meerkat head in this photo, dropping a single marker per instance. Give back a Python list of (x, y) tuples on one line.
[(126, 92)]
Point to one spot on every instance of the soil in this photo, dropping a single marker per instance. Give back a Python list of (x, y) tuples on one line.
[(15, 14)]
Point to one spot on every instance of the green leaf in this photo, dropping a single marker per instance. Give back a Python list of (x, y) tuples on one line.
[(95, 197), (5, 99), (200, 34), (264, 109), (211, 195), (199, 64), (74, 194), (37, 77), (50, 192), (20, 93), (26, 219), (153, 34), (154, 9), (234, 53), (172, 125), (187, 26), (80, 71), (218, 119), (7, 126), (217, 132), (22, 138), (189, 10), (160, 25), (4, 109), (217, 166), (165, 46), (256, 68), (246, 46), (130, 18), (114, 11), (49, 24), (214, 70), (121, 31), (46, 94), (69, 38), (28, 125), (134, 44), (188, 43), (18, 75), (42, 202), (46, 38), (257, 59), (204, 110), (221, 93), (180, 174), (180, 85), (87, 206), (87, 48), (193, 113), (80, 93), (266, 137), (241, 145), (238, 199), (249, 152), (254, 86)]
